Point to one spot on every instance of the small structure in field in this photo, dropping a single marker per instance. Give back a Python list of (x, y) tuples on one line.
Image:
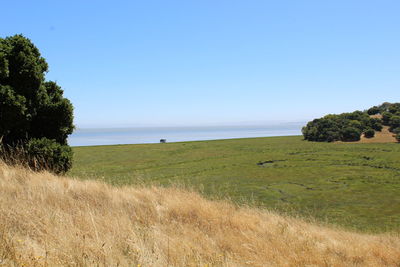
[(163, 140)]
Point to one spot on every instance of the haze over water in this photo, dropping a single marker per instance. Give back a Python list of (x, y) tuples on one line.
[(142, 135)]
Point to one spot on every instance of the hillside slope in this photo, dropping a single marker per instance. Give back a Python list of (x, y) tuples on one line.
[(383, 136), (48, 220)]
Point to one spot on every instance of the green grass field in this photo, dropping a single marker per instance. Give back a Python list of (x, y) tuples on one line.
[(352, 185)]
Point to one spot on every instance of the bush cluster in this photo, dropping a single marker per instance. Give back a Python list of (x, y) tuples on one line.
[(350, 126), (369, 133), (343, 127), (34, 114), (391, 116)]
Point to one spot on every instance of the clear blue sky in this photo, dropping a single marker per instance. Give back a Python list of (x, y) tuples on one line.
[(135, 63)]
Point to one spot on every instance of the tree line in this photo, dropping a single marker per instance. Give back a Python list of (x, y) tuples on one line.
[(351, 126)]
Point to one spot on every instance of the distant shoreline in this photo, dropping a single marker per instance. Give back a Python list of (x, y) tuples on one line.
[(192, 141), (151, 135)]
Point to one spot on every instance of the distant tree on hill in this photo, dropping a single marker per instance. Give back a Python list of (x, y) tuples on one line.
[(375, 124), (384, 107), (369, 133), (373, 111), (394, 108), (391, 116), (386, 116), (33, 112), (394, 122), (396, 130)]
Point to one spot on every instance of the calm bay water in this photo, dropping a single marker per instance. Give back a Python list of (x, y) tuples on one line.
[(113, 136)]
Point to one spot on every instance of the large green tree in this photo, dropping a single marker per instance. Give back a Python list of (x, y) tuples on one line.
[(32, 110)]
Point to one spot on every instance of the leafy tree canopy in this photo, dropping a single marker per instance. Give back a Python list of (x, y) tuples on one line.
[(30, 107), (369, 133)]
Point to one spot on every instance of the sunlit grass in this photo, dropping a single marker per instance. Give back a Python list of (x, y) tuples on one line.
[(353, 185), (47, 220)]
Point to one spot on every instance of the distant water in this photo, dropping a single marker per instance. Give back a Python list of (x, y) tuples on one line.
[(142, 135)]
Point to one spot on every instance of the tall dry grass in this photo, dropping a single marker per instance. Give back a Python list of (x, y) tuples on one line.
[(19, 156), (51, 221)]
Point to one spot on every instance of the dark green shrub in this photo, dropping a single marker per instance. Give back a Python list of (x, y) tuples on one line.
[(355, 124), (375, 124), (385, 107), (394, 122), (396, 130), (350, 134), (323, 130), (386, 116), (332, 127), (374, 110), (369, 133), (46, 154), (394, 108), (398, 137)]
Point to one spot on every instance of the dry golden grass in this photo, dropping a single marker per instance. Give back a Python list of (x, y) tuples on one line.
[(51, 221), (376, 116), (383, 136)]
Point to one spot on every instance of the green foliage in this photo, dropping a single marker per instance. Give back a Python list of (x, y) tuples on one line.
[(344, 127), (45, 154), (386, 116), (373, 111), (390, 115), (394, 108), (369, 133), (398, 137), (350, 134), (325, 129), (396, 130), (349, 126), (394, 122), (389, 110), (375, 124), (30, 107), (384, 107)]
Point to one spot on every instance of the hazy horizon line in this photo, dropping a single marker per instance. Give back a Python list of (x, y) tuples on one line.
[(181, 125)]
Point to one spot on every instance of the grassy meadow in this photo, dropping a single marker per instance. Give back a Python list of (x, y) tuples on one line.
[(352, 185)]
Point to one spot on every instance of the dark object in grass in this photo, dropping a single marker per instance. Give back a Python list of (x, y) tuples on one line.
[(163, 141), (367, 158), (262, 163)]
